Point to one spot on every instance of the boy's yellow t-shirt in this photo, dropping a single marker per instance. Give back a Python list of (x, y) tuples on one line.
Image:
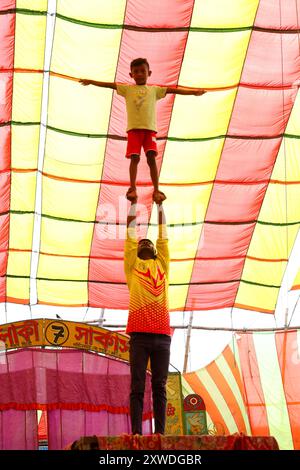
[(141, 104), (147, 281)]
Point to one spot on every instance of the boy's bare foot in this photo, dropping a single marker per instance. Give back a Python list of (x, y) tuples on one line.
[(131, 194), (158, 197)]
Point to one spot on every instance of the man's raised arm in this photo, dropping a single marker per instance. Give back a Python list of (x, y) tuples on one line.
[(162, 227), (131, 217), (162, 241), (86, 81), (131, 244)]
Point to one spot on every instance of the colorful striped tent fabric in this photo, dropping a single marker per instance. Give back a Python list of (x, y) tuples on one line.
[(253, 387), (228, 160)]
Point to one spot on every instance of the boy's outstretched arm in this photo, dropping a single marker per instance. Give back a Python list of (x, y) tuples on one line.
[(186, 91), (86, 81)]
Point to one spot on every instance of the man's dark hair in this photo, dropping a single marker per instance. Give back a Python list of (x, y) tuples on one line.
[(148, 240), (139, 61)]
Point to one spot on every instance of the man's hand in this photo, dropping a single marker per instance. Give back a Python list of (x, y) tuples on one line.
[(158, 196), (131, 195), (85, 81)]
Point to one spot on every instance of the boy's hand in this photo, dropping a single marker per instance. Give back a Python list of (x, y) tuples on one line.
[(199, 92), (85, 81)]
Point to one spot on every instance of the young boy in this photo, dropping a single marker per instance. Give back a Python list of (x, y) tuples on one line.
[(141, 119)]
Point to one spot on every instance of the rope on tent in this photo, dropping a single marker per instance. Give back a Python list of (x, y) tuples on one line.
[(294, 309), (298, 37), (86, 311), (5, 310), (210, 328), (30, 311), (188, 340), (37, 222), (232, 336), (284, 155)]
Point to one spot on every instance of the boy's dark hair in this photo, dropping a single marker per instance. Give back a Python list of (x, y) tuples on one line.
[(146, 239), (139, 61)]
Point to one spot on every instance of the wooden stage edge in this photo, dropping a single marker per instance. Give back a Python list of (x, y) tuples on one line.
[(160, 442)]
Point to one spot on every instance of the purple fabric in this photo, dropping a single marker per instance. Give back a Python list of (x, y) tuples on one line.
[(62, 380), (18, 430)]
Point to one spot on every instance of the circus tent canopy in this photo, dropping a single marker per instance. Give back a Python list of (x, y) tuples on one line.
[(228, 160)]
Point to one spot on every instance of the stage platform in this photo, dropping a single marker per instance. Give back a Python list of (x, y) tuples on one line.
[(159, 442)]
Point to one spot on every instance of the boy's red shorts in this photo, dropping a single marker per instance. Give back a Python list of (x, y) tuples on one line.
[(138, 138)]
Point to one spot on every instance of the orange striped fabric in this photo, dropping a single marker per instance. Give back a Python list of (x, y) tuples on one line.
[(215, 413), (289, 361), (253, 387), (228, 395)]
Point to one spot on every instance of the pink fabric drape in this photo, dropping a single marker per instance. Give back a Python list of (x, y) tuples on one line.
[(18, 430), (62, 431), (83, 393)]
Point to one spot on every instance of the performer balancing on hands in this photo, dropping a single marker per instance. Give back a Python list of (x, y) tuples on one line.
[(141, 119), (147, 270)]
